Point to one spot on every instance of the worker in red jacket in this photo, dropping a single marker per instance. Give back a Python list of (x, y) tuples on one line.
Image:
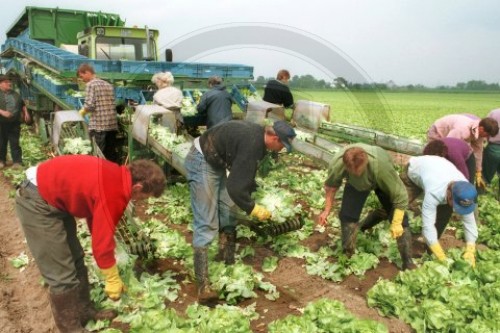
[(47, 202)]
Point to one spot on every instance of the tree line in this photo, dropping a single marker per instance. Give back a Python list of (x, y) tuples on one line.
[(310, 82)]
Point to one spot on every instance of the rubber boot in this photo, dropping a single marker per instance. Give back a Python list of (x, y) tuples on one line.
[(373, 218), (222, 245), (227, 247), (66, 312), (205, 295), (230, 247), (86, 308), (349, 233), (405, 249)]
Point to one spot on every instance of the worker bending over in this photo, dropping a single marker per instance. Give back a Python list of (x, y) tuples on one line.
[(469, 128), (367, 168), (235, 147), (57, 191), (446, 190)]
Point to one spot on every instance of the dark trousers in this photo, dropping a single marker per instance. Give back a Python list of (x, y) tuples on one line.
[(491, 161), (354, 200), (106, 141), (471, 167), (443, 215), (10, 134), (52, 238)]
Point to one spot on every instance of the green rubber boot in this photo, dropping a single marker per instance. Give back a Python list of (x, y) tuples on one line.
[(205, 295), (349, 233), (405, 249)]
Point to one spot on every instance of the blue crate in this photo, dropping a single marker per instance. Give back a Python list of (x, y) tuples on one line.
[(181, 69), (100, 66), (239, 71), (125, 93), (75, 102), (206, 70), (68, 63), (141, 67)]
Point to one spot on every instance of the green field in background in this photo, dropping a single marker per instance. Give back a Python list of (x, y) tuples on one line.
[(402, 113)]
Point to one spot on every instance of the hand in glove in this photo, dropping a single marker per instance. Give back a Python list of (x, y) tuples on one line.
[(397, 223), (479, 180), (469, 254), (82, 112), (114, 284), (438, 251), (261, 213)]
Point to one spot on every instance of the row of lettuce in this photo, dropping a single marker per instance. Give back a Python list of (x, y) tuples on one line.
[(436, 297)]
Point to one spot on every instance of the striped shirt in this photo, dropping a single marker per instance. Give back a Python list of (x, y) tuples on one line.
[(100, 102)]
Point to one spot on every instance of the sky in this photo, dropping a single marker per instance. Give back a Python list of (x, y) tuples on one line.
[(409, 42)]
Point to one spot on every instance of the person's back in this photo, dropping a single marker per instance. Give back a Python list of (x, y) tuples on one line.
[(167, 95), (79, 184), (433, 173), (458, 126), (277, 91), (100, 98), (216, 103)]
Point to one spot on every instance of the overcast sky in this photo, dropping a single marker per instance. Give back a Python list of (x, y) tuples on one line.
[(421, 42)]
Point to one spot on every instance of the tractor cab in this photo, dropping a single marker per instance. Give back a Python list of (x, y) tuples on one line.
[(118, 43)]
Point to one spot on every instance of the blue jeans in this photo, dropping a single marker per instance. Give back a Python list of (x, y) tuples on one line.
[(209, 199)]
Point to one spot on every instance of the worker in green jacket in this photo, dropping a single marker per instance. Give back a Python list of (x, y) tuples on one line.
[(367, 168)]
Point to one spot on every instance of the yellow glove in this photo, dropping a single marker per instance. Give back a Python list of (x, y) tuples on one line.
[(438, 251), (479, 180), (261, 213), (114, 284), (397, 223), (469, 254), (82, 112)]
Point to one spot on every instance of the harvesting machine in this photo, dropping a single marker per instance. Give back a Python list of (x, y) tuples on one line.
[(45, 47)]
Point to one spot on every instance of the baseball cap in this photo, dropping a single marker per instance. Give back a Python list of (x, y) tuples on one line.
[(285, 132), (464, 197)]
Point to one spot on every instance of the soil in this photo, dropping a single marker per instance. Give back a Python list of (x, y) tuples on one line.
[(24, 303), (25, 307)]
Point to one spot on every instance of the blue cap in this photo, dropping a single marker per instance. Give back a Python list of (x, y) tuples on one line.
[(464, 197), (285, 132)]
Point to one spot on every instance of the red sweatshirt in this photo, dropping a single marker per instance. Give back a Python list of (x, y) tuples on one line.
[(92, 188)]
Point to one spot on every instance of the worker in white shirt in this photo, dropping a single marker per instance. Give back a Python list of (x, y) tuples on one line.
[(446, 190)]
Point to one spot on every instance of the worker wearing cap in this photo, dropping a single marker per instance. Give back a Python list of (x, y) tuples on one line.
[(469, 128), (367, 168), (58, 190), (491, 158), (446, 190), (215, 104), (12, 111), (236, 147)]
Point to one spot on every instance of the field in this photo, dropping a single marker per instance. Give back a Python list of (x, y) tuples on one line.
[(407, 114), (298, 282)]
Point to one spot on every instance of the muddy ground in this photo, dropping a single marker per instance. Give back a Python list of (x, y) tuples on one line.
[(24, 304)]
